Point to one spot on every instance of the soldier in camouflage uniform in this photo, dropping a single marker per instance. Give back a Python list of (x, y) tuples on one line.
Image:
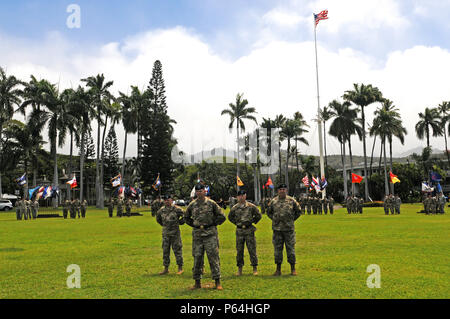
[(314, 205), (360, 202), (392, 204), (331, 205), (23, 209), (283, 211), (203, 215), (348, 203), (244, 215), (386, 205), (65, 206), (110, 207), (325, 206), (83, 208), (35, 208), (170, 217), (77, 208), (441, 203), (319, 205), (120, 207), (28, 206), (433, 205), (397, 202), (302, 203), (128, 205), (72, 209), (16, 204)]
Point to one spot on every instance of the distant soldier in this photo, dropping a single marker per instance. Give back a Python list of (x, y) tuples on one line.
[(441, 202), (128, 206), (433, 204), (203, 215), (331, 205), (66, 206), (386, 205), (35, 208), (78, 207), (319, 205), (348, 203), (314, 205), (72, 210), (398, 203), (83, 208), (244, 215), (120, 207), (18, 215), (302, 203), (360, 202), (110, 207), (28, 205), (325, 206), (171, 217), (391, 204), (284, 211), (23, 209), (308, 205)]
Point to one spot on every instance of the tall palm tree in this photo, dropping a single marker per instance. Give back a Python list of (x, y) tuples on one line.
[(325, 114), (343, 126), (99, 90), (268, 124), (443, 109), (279, 122), (430, 118), (9, 98), (303, 125), (364, 95), (129, 120), (239, 111)]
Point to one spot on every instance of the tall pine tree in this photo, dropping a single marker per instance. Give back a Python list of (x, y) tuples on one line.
[(111, 156), (156, 132)]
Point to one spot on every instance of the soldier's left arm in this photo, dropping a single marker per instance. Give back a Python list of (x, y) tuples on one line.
[(180, 215), (256, 214), (297, 211), (218, 213)]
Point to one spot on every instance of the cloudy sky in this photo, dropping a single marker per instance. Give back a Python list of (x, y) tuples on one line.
[(213, 49)]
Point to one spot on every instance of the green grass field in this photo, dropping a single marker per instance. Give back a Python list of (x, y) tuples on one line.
[(121, 258)]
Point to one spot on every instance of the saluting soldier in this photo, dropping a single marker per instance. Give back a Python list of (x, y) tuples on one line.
[(171, 217), (83, 208), (203, 215), (284, 211), (66, 206), (244, 215), (331, 205), (110, 207), (128, 206)]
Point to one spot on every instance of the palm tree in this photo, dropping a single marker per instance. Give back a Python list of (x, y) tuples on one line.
[(268, 124), (343, 126), (443, 109), (302, 129), (279, 123), (9, 97), (325, 114), (129, 120), (364, 95), (99, 90), (239, 112), (430, 118)]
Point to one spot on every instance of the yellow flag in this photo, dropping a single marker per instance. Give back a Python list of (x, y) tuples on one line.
[(394, 178), (239, 182)]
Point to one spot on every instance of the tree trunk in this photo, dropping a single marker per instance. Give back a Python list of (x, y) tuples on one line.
[(325, 148), (237, 163), (97, 164), (82, 164), (446, 151), (286, 177), (371, 156), (279, 158), (1, 149), (351, 163), (123, 162), (69, 191), (102, 167), (390, 163), (344, 170), (55, 169), (366, 184), (386, 187), (381, 157), (428, 136)]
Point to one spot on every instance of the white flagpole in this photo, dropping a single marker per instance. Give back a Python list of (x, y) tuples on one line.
[(319, 120)]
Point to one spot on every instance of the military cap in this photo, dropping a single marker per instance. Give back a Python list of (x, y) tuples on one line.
[(282, 186), (199, 187), (242, 192), (167, 196)]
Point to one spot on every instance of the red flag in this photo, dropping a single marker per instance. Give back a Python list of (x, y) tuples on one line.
[(305, 181), (356, 178), (269, 183)]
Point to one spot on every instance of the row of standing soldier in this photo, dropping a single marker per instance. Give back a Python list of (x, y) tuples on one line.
[(27, 209), (434, 204), (392, 203), (74, 208), (354, 205), (308, 205), (120, 203)]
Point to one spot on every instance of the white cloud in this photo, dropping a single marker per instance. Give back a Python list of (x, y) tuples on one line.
[(278, 77), (282, 18)]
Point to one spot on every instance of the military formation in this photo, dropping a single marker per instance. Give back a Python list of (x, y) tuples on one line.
[(434, 204), (392, 204), (74, 208), (316, 205), (354, 204), (27, 209), (124, 207)]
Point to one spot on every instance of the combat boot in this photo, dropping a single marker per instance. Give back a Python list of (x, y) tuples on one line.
[(180, 270), (165, 271), (278, 271), (239, 273), (197, 285), (293, 271), (218, 285), (255, 271)]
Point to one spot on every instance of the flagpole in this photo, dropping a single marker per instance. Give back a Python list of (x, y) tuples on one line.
[(322, 170)]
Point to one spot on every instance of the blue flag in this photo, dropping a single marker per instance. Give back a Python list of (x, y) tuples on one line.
[(32, 191), (439, 188), (435, 177)]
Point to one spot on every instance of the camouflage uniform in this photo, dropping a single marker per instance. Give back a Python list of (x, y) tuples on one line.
[(392, 204), (243, 216), (398, 202), (83, 208), (28, 205), (386, 205), (348, 203), (35, 208), (171, 218), (433, 205), (23, 209), (441, 201), (360, 202), (325, 205), (128, 206), (119, 207), (308, 205), (283, 213), (77, 207), (319, 205), (331, 205), (204, 216), (110, 208), (314, 205), (66, 206), (72, 209), (302, 205)]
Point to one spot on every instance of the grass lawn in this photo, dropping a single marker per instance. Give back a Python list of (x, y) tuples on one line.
[(121, 258)]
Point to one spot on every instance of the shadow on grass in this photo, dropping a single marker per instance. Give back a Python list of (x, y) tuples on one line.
[(11, 250)]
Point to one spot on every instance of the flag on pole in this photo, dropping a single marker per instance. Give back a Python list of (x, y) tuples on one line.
[(426, 188), (305, 181), (73, 182), (157, 184), (394, 178), (239, 182), (193, 192), (356, 178), (438, 188), (116, 181), (323, 183), (40, 192), (207, 189), (22, 180), (315, 183), (269, 183), (323, 15), (31, 192), (47, 192), (435, 177)]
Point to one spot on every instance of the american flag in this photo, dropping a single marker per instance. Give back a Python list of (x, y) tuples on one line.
[(321, 16), (305, 181)]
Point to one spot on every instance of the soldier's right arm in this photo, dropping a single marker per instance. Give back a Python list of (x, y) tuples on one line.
[(232, 215), (188, 215), (269, 211), (159, 217)]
